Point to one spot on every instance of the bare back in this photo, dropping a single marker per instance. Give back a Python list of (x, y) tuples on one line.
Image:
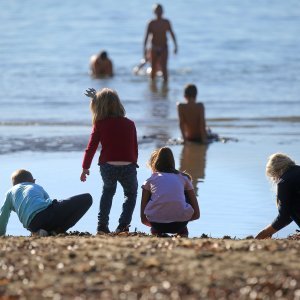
[(192, 121)]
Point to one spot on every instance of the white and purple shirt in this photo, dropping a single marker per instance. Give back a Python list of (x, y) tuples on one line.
[(168, 203)]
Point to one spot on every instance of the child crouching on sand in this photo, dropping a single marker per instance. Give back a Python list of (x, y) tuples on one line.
[(37, 211), (164, 206)]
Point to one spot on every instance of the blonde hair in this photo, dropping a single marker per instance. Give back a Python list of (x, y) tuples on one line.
[(106, 103), (20, 176), (277, 165)]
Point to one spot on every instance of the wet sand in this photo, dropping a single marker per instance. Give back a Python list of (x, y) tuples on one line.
[(144, 267)]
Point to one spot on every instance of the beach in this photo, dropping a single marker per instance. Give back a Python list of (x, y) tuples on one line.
[(244, 60), (144, 267)]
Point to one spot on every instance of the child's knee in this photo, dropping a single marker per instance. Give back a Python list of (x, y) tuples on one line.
[(88, 199)]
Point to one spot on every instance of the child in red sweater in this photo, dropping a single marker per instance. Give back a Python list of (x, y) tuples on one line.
[(118, 156)]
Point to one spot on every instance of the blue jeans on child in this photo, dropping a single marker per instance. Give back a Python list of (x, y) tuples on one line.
[(127, 176)]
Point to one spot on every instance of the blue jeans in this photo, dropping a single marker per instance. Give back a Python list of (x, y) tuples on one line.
[(126, 176)]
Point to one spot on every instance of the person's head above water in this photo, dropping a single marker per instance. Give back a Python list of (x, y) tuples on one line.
[(158, 9), (103, 55), (20, 176)]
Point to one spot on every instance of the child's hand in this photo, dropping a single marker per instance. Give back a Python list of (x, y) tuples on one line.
[(84, 173), (91, 93), (145, 221)]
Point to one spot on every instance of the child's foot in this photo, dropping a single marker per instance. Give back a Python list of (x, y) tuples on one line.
[(40, 232), (183, 233), (103, 229), (122, 228), (158, 234)]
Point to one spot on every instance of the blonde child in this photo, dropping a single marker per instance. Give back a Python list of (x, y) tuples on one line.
[(284, 172), (164, 205), (37, 211), (118, 156)]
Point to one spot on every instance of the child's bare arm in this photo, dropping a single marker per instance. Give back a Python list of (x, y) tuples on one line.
[(181, 120), (194, 203), (203, 133), (145, 199)]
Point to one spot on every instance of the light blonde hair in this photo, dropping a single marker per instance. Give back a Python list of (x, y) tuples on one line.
[(20, 176), (277, 165), (106, 103)]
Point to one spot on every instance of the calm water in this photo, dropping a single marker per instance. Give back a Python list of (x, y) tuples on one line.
[(243, 56)]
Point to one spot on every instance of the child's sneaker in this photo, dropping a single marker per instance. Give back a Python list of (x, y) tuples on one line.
[(102, 229), (158, 234), (184, 232), (40, 232), (122, 228)]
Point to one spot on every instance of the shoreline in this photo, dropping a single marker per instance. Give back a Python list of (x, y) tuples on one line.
[(144, 267)]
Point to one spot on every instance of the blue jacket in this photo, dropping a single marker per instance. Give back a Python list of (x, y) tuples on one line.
[(26, 199)]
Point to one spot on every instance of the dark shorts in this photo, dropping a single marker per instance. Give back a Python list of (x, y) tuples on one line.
[(174, 227)]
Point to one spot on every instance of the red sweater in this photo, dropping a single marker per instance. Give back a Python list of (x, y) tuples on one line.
[(117, 136)]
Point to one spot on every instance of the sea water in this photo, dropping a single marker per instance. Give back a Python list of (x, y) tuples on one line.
[(242, 55)]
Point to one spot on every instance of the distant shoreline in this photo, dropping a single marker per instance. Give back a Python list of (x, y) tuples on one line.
[(132, 267)]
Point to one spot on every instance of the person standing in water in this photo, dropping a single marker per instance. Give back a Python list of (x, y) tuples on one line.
[(158, 29)]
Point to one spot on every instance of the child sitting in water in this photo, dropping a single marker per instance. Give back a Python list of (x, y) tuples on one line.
[(192, 117), (37, 211), (163, 206)]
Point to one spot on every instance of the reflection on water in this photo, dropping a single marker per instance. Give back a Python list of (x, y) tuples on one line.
[(159, 98), (157, 130), (193, 161), (161, 92)]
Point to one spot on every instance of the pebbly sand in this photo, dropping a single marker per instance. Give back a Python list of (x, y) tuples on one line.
[(138, 266)]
